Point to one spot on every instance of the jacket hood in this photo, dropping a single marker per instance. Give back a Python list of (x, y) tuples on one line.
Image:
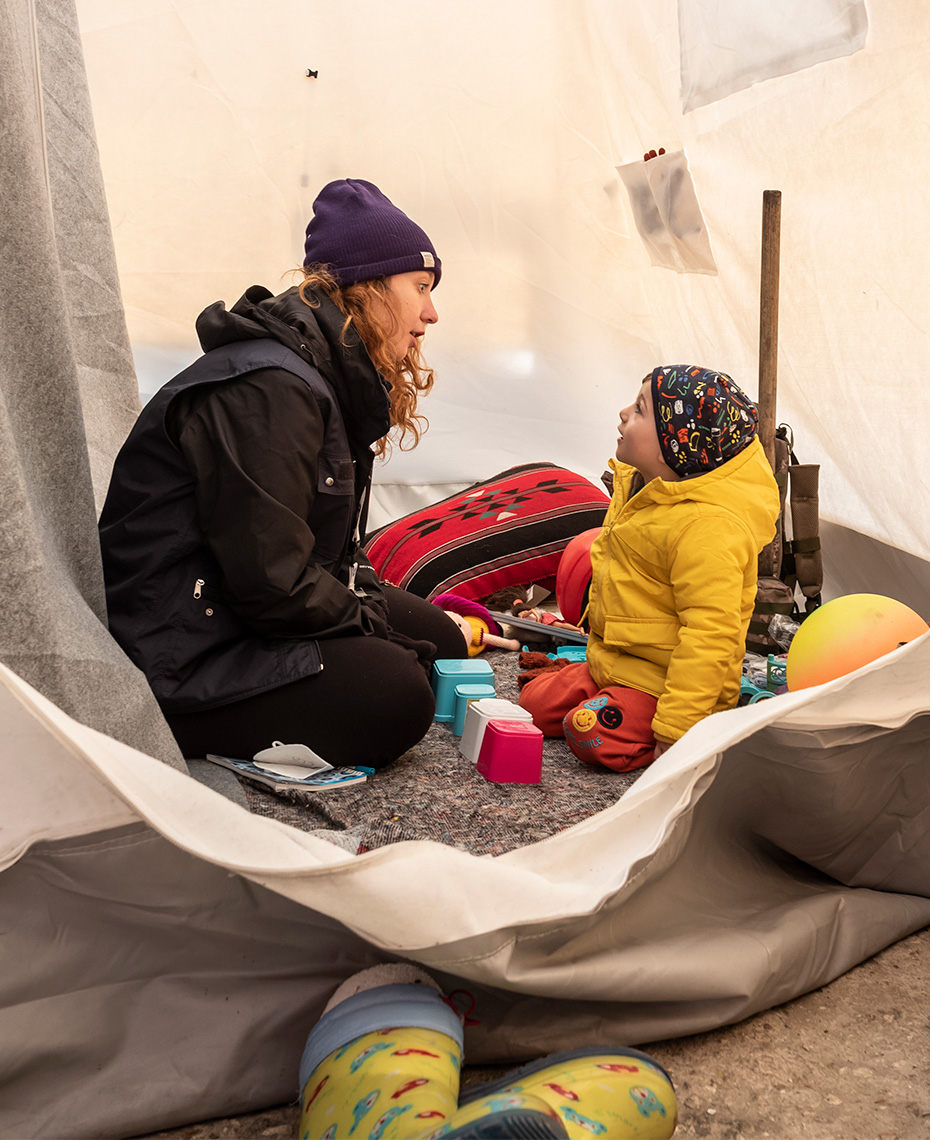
[(744, 485), (314, 334)]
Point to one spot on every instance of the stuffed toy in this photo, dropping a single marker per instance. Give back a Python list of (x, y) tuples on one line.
[(534, 664), (478, 627)]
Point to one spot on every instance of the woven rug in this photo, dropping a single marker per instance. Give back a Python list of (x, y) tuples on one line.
[(434, 792)]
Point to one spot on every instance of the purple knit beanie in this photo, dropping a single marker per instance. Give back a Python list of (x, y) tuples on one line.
[(360, 234)]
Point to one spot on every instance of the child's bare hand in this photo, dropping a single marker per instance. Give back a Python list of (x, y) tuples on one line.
[(661, 746)]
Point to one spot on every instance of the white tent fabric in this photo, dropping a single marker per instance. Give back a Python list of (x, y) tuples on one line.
[(165, 952), (499, 127), (728, 45), (183, 947)]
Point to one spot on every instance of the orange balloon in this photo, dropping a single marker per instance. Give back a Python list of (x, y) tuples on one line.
[(847, 633), (573, 576)]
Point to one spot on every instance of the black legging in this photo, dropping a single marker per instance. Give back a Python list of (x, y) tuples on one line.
[(371, 702)]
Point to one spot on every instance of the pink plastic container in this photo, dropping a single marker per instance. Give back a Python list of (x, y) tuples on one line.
[(479, 715), (511, 752)]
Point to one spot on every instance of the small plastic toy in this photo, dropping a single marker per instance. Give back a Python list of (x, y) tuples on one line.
[(511, 752), (775, 671), (464, 695), (847, 633), (750, 694), (571, 653), (573, 577), (477, 718), (448, 672)]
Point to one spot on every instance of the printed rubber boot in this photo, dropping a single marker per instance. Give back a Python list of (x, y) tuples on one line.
[(616, 1094), (383, 1063)]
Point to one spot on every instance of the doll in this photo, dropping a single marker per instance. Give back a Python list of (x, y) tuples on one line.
[(478, 627), (516, 600)]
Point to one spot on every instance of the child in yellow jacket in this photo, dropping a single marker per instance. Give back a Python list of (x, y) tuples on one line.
[(673, 574)]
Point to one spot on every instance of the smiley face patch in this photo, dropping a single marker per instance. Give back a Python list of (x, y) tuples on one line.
[(596, 711), (584, 719), (612, 727), (610, 716)]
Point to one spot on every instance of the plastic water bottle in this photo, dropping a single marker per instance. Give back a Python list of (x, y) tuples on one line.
[(782, 630)]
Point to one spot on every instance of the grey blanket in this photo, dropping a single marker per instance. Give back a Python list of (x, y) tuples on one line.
[(434, 792)]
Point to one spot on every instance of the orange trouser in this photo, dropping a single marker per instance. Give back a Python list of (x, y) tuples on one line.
[(611, 726)]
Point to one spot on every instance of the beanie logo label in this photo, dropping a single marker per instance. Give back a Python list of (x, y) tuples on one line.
[(429, 261)]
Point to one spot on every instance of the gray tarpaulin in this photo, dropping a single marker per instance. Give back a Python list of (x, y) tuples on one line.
[(65, 365), (180, 948)]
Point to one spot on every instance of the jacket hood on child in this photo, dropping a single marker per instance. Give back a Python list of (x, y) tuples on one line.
[(674, 581)]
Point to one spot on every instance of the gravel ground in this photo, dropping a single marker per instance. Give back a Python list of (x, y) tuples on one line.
[(850, 1061)]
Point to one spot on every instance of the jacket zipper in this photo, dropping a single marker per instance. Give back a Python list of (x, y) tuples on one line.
[(198, 586), (357, 540)]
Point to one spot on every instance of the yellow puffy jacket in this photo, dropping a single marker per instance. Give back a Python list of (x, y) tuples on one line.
[(674, 584)]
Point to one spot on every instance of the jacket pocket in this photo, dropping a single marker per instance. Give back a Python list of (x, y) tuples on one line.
[(332, 516), (639, 635), (206, 618), (336, 474)]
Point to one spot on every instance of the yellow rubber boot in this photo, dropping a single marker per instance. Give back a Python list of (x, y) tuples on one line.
[(383, 1061), (503, 1116), (614, 1094)]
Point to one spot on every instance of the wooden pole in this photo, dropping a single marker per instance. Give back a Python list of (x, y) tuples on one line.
[(768, 319)]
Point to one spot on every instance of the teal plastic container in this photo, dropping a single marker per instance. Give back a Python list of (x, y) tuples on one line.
[(464, 695), (451, 671)]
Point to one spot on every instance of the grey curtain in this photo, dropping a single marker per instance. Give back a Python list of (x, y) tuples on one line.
[(68, 394)]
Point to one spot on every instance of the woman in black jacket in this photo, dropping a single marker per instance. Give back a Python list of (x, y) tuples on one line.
[(232, 529)]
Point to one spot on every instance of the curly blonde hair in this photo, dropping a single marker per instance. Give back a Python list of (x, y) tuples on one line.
[(368, 309)]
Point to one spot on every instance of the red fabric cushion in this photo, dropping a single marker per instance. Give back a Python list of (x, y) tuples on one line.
[(509, 530)]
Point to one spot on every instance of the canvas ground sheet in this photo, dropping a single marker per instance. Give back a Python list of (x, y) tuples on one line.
[(165, 941), (434, 792)]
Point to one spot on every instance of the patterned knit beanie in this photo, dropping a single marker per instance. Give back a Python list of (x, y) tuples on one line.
[(702, 418), (360, 234)]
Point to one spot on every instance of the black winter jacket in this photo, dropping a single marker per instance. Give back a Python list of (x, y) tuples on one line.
[(231, 529)]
